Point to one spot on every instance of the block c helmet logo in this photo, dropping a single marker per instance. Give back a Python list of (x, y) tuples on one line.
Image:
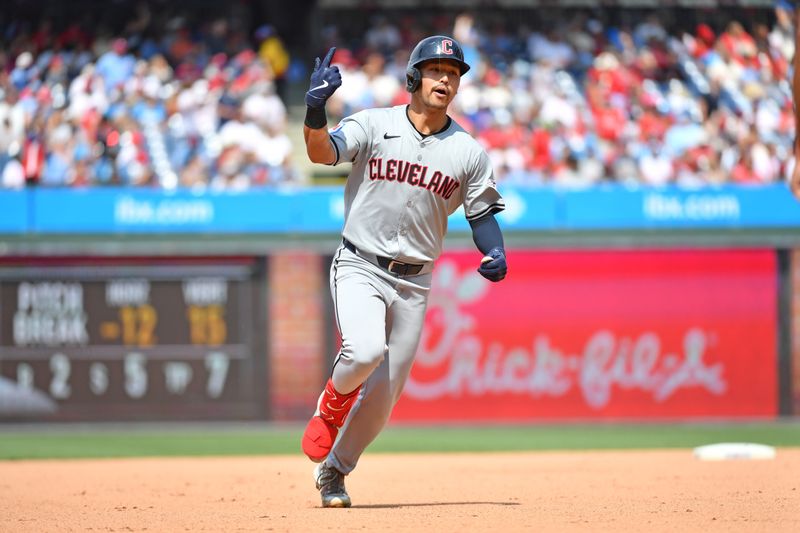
[(447, 47)]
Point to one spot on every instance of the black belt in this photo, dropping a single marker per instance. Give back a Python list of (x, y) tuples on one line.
[(398, 268)]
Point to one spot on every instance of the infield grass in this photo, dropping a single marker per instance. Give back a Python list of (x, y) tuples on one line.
[(48, 442)]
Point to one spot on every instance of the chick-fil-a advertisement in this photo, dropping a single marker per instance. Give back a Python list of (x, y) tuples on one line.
[(666, 334)]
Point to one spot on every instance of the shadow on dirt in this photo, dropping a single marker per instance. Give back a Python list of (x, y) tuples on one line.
[(428, 504)]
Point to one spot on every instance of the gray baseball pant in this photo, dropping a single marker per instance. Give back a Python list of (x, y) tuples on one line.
[(380, 318)]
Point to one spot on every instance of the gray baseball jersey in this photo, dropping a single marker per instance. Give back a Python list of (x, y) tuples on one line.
[(403, 185)]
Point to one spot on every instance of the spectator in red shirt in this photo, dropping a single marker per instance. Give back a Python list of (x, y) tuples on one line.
[(609, 121), (743, 172), (740, 45)]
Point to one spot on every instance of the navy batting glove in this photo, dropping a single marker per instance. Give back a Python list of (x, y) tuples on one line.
[(324, 81), (493, 265)]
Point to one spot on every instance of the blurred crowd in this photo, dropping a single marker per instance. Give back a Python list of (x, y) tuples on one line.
[(577, 101), (162, 103), (584, 101)]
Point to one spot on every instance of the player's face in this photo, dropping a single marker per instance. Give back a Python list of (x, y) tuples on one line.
[(440, 81)]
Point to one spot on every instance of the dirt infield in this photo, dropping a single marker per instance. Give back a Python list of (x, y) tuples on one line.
[(580, 491)]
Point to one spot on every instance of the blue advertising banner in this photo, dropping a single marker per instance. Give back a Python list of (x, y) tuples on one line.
[(615, 207), (526, 209), (153, 211), (14, 212), (321, 210)]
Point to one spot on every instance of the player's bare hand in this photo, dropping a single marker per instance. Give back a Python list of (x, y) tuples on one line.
[(493, 265), (325, 79)]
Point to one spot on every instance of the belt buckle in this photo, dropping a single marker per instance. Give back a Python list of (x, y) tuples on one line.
[(392, 264)]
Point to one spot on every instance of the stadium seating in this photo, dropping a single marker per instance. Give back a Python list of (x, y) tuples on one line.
[(582, 102)]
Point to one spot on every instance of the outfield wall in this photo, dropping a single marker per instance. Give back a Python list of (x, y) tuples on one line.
[(188, 306)]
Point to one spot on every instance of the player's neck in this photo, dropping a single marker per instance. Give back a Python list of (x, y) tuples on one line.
[(427, 120)]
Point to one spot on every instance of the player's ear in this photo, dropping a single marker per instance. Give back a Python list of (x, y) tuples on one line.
[(413, 79)]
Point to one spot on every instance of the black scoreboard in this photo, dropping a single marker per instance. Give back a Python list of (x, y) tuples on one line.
[(164, 341)]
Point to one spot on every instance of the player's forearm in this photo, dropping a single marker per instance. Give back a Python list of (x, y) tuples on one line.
[(318, 145), (486, 233)]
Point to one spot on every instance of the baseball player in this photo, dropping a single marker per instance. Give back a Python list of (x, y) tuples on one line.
[(412, 167)]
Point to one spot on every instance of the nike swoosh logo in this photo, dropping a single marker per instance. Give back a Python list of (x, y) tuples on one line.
[(387, 136), (324, 84)]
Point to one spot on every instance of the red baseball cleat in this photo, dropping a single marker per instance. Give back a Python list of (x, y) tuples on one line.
[(321, 431)]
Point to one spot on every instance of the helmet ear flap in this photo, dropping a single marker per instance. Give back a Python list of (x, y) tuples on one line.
[(413, 79)]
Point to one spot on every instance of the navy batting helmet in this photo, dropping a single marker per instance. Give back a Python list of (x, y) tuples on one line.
[(436, 47)]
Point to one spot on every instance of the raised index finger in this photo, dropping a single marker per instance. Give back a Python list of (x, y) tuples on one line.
[(327, 61)]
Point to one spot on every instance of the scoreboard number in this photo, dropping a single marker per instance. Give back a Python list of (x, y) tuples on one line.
[(59, 385), (135, 375), (207, 325), (217, 364), (98, 378), (25, 376), (138, 325)]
